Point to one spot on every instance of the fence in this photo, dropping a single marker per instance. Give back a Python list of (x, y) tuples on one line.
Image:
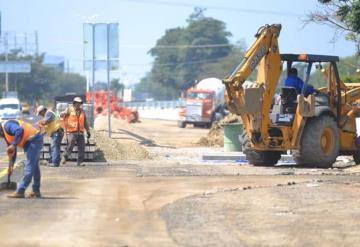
[(166, 110), (171, 104)]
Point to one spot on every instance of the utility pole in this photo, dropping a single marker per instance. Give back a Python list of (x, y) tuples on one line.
[(108, 79), (36, 44), (15, 42), (93, 66), (6, 60), (25, 43)]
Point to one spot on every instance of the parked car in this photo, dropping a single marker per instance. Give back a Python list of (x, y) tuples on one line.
[(10, 108)]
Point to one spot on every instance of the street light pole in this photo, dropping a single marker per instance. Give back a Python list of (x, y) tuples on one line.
[(6, 60), (108, 78)]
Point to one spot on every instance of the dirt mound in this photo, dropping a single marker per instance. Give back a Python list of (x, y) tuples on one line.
[(114, 149), (110, 149), (215, 136)]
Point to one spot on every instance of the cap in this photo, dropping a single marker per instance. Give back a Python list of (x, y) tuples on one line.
[(39, 109), (78, 100)]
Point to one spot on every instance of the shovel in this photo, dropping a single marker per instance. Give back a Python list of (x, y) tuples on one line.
[(9, 185)]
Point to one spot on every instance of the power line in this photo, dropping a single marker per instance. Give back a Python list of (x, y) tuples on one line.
[(158, 46), (171, 64), (232, 9)]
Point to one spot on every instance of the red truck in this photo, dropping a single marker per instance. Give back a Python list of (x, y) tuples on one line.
[(203, 104)]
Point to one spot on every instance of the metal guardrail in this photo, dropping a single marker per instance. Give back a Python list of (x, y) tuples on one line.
[(171, 104)]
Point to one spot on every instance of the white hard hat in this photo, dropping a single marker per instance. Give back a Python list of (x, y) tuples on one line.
[(39, 109), (78, 100)]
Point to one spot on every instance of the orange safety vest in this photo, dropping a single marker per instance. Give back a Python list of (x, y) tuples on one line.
[(29, 132), (75, 123)]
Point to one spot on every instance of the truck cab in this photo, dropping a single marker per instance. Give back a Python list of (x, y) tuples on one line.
[(203, 104)]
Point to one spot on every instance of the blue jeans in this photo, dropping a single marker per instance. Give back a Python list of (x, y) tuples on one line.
[(55, 145), (32, 169)]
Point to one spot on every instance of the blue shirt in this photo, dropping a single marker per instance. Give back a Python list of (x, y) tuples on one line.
[(13, 128), (298, 84)]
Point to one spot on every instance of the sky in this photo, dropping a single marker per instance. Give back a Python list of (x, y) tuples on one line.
[(142, 22)]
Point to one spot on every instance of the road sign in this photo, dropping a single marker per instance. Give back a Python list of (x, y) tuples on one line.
[(101, 43), (101, 52), (15, 67)]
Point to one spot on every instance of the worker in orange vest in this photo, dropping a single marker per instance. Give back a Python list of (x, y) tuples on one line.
[(75, 124), (18, 133)]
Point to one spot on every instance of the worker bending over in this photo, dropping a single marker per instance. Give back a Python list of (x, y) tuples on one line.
[(75, 124), (52, 125), (18, 133)]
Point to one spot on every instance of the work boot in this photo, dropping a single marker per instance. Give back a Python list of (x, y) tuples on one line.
[(43, 163), (34, 195), (63, 160), (16, 195), (53, 165)]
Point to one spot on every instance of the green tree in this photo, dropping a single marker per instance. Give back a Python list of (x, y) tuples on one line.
[(342, 15), (42, 83), (187, 54), (116, 86)]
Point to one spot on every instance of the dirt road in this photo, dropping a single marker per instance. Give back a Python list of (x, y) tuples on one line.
[(169, 201)]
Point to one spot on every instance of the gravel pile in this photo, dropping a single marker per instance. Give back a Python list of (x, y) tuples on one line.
[(110, 149), (215, 136)]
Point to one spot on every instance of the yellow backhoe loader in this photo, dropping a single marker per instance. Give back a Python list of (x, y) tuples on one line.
[(316, 128)]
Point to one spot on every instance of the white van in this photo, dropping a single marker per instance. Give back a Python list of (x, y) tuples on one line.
[(10, 108)]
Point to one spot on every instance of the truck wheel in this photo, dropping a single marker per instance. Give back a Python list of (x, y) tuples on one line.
[(319, 145), (181, 124), (356, 155), (258, 158)]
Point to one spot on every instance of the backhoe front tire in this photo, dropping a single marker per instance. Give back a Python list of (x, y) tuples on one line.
[(319, 144), (258, 158)]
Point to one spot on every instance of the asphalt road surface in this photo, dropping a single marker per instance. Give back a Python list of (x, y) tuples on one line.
[(170, 200)]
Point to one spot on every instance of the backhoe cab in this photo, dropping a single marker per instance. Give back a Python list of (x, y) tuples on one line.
[(317, 127)]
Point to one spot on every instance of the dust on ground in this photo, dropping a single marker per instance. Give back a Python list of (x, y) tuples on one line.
[(215, 136)]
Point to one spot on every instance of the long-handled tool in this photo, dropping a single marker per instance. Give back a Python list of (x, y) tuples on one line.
[(9, 185)]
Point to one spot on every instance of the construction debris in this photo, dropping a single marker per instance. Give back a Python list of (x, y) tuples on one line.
[(115, 148), (109, 149), (117, 111), (215, 137)]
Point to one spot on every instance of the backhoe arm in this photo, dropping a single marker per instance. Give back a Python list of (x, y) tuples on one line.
[(265, 53), (265, 43)]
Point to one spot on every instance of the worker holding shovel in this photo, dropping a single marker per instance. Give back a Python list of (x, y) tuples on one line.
[(18, 133)]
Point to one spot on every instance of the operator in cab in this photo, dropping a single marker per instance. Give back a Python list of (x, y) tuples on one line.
[(294, 81)]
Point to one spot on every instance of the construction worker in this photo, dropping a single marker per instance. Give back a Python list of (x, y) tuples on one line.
[(52, 125), (75, 124), (18, 133), (294, 81)]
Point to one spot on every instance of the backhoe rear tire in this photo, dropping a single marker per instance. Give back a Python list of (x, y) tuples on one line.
[(319, 144), (258, 158)]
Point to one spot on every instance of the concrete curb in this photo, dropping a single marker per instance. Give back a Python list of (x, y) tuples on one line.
[(240, 157)]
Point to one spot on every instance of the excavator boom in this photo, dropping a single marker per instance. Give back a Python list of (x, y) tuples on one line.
[(253, 103)]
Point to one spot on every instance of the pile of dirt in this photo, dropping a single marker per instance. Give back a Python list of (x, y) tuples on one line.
[(215, 136), (112, 149)]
